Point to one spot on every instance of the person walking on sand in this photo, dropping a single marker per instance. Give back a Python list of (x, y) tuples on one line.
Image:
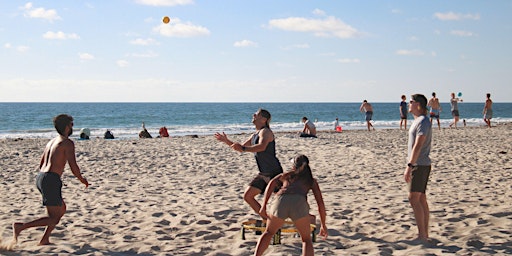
[(488, 110), (262, 144), (435, 109), (403, 113), (419, 164), (368, 110), (58, 152), (291, 202), (455, 110)]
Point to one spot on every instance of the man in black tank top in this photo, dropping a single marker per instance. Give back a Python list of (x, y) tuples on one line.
[(262, 144)]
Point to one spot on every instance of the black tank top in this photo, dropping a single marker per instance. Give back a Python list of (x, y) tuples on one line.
[(268, 164)]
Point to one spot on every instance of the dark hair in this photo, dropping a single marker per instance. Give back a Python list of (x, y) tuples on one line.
[(488, 95), (304, 118), (61, 122), (433, 94), (264, 113), (421, 99), (301, 170)]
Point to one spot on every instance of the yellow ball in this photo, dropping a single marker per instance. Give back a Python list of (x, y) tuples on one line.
[(166, 20)]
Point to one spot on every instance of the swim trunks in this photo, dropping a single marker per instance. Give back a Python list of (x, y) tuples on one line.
[(420, 174), (488, 114), (291, 206), (369, 115), (434, 113), (455, 113), (261, 181), (50, 185)]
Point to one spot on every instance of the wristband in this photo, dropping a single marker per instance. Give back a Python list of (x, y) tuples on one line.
[(411, 165)]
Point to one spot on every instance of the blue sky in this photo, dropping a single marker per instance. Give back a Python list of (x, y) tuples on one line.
[(254, 50)]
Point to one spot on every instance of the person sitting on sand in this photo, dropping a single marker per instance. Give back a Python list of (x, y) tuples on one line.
[(309, 130), (163, 133), (144, 134), (58, 152), (262, 143), (292, 202)]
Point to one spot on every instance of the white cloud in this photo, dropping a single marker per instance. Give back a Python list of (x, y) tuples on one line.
[(412, 38), (179, 29), (410, 52), (328, 27), (122, 63), (245, 43), (85, 56), (7, 45), (147, 41), (349, 60), (22, 48), (462, 33), (318, 12), (456, 16), (40, 13), (165, 2), (60, 35), (297, 46)]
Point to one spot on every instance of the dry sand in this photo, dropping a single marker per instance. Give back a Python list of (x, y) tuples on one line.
[(183, 195)]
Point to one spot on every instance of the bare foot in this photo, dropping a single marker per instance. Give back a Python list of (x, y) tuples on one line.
[(16, 230), (47, 242)]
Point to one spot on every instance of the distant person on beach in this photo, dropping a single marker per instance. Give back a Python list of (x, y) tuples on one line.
[(419, 164), (85, 133), (291, 202), (163, 133), (368, 110), (108, 135), (435, 109), (262, 144), (309, 130), (403, 112), (144, 134), (336, 124), (58, 152), (488, 110), (455, 110)]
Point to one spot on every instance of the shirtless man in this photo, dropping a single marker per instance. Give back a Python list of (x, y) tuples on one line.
[(435, 109), (58, 152), (368, 110), (262, 144), (309, 128), (488, 110)]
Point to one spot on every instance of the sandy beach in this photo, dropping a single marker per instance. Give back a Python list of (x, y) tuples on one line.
[(183, 195)]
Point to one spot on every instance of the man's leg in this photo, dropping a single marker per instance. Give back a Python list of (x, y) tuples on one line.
[(419, 205), (54, 215), (249, 196)]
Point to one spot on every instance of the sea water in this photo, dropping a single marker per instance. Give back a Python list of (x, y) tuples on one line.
[(34, 120)]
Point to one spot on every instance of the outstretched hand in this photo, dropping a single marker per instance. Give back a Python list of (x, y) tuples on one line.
[(221, 137)]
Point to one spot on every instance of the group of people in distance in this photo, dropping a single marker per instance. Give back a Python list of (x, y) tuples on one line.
[(435, 110), (290, 188)]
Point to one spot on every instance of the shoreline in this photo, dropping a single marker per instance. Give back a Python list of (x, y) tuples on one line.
[(184, 195)]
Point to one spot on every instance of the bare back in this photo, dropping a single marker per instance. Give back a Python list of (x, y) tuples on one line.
[(488, 104), (57, 153), (434, 103)]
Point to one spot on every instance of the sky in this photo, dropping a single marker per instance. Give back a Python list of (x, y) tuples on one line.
[(254, 50)]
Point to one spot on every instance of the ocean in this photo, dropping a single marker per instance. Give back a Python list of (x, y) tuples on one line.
[(34, 120)]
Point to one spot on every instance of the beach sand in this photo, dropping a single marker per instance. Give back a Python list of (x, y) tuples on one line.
[(183, 195)]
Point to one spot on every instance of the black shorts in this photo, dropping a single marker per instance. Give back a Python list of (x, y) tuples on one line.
[(261, 181), (420, 176), (50, 186), (455, 113)]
